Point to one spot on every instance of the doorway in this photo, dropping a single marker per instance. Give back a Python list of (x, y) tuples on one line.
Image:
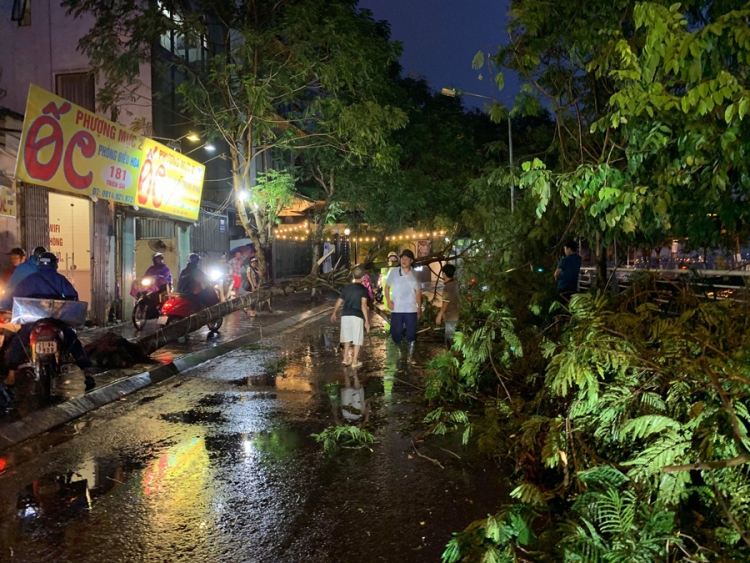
[(70, 240)]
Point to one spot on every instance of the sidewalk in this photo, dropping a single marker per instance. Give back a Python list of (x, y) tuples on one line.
[(29, 417)]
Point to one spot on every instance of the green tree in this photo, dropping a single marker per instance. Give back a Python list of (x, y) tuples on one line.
[(289, 74)]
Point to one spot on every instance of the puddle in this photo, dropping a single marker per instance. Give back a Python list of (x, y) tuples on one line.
[(276, 444), (264, 380), (218, 399), (195, 416)]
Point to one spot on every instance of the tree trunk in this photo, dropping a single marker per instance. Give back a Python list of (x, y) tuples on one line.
[(317, 241)]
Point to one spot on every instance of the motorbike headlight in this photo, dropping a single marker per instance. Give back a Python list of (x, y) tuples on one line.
[(214, 275), (146, 282)]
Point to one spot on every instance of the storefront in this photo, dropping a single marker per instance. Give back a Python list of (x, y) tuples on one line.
[(103, 198)]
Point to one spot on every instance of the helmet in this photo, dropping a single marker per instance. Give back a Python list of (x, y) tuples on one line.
[(392, 254), (48, 259), (39, 250), (194, 258), (157, 255)]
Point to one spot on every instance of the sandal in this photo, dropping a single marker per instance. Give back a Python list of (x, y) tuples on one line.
[(357, 365)]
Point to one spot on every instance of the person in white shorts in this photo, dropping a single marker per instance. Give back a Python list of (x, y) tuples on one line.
[(354, 317)]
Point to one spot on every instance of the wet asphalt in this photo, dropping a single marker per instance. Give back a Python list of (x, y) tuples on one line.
[(219, 464)]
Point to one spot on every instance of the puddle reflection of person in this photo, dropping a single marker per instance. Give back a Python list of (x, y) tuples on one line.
[(353, 406)]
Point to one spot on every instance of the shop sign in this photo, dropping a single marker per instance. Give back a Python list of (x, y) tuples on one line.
[(7, 201), (68, 148)]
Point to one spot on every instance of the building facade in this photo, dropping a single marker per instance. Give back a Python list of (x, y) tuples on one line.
[(102, 245)]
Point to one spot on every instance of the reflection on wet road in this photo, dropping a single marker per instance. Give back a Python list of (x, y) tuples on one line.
[(220, 465)]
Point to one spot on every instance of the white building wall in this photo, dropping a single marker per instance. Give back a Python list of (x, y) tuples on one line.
[(49, 46)]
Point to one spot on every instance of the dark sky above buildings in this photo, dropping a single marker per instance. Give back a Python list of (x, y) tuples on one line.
[(441, 37)]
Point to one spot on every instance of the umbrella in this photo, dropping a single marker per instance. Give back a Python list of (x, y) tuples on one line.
[(246, 250)]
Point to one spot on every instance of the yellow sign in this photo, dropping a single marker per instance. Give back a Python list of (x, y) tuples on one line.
[(7, 201), (68, 148)]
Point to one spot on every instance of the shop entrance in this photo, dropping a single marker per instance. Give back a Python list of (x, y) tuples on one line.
[(156, 235), (70, 220)]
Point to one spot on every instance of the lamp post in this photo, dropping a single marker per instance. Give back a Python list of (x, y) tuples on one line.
[(452, 93)]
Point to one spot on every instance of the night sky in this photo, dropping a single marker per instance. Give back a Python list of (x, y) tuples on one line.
[(441, 37)]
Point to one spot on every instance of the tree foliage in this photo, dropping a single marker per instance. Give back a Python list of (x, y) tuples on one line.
[(624, 421), (294, 75)]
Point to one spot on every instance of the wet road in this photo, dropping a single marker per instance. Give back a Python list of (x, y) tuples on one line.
[(219, 465)]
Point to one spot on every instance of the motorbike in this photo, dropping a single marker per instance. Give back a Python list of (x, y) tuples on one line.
[(223, 284), (150, 294), (49, 358), (180, 305)]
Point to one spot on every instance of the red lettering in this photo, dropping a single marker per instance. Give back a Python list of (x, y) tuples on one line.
[(51, 108), (157, 190), (145, 182), (79, 116), (39, 170), (87, 144)]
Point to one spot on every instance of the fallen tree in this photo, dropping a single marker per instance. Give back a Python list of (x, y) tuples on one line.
[(334, 280)]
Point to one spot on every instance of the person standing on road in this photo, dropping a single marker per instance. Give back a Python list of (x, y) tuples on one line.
[(354, 317), (449, 308), (392, 263), (236, 265), (254, 279), (403, 293), (567, 272)]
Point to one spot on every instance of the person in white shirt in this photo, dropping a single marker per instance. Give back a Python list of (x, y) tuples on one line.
[(403, 294)]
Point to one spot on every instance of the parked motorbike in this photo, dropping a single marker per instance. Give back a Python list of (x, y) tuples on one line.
[(181, 305), (49, 358), (150, 294), (46, 353)]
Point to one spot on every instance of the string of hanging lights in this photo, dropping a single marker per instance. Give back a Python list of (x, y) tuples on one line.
[(298, 232), (395, 238)]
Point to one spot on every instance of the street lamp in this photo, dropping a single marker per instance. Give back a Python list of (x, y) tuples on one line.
[(452, 93), (243, 195), (208, 146), (175, 143)]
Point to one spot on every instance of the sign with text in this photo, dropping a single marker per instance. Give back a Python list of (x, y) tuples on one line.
[(7, 201), (68, 148)]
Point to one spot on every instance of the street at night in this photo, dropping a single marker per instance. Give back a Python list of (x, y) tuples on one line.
[(338, 281), (218, 464)]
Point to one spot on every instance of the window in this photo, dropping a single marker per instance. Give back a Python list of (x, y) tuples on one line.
[(21, 12), (192, 49), (78, 88)]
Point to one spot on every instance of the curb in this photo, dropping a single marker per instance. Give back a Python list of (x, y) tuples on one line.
[(45, 420)]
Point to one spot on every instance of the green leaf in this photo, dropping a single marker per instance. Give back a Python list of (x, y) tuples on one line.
[(644, 426), (478, 61)]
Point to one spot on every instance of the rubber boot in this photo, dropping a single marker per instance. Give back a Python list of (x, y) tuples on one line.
[(410, 354)]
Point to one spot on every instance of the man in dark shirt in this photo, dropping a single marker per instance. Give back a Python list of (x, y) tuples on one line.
[(567, 272), (354, 318)]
